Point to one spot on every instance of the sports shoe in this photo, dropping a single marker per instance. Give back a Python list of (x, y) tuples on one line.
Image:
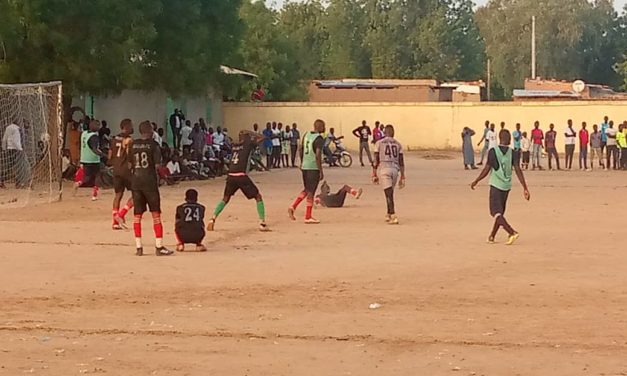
[(201, 248), (359, 193), (491, 240), (120, 221), (393, 220), (290, 212), (180, 247), (139, 252), (263, 227), (94, 198), (312, 221), (163, 251), (512, 238), (387, 218), (211, 224), (116, 227)]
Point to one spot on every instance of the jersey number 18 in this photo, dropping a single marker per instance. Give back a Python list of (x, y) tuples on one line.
[(142, 161)]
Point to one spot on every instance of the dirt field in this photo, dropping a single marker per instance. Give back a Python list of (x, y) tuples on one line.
[(75, 300)]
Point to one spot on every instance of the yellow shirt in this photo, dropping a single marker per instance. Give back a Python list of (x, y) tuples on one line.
[(621, 139)]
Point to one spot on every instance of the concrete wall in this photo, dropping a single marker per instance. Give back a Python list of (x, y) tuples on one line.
[(424, 125)]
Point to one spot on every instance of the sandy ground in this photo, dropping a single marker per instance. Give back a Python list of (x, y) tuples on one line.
[(75, 300)]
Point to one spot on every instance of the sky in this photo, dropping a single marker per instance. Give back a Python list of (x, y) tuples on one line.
[(619, 4)]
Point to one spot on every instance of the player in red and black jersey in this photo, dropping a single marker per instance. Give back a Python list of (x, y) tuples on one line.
[(145, 160), (238, 178), (189, 227), (120, 160)]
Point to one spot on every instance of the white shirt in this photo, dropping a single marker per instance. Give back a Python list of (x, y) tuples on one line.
[(157, 138), (276, 141), (571, 138), (611, 132), (491, 137), (12, 139), (218, 138), (174, 167), (525, 144), (185, 132)]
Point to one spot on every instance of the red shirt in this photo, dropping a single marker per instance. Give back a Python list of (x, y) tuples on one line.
[(537, 136), (584, 137)]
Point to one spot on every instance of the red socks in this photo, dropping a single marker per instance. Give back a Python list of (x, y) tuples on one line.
[(299, 199), (137, 225), (126, 208), (309, 208), (94, 192), (156, 225)]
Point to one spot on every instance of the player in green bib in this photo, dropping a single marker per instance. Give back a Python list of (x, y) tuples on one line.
[(502, 162), (90, 159), (311, 167)]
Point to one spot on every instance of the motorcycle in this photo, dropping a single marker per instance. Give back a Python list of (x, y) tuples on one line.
[(339, 155)]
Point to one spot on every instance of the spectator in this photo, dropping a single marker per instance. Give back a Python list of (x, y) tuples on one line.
[(485, 141), (612, 147), (604, 127), (328, 141), (186, 140), (377, 134), (176, 124), (258, 95), (198, 142), (621, 140), (491, 137), (596, 147), (537, 137), (218, 139), (276, 145), (294, 139), (161, 134), (584, 140), (467, 149), (209, 141), (267, 145), (525, 146), (551, 149), (502, 125), (285, 147), (516, 135), (570, 141), (17, 161), (155, 134), (363, 134)]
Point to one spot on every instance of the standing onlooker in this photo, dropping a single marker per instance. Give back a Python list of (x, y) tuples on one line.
[(484, 139), (276, 144), (186, 141), (570, 140), (537, 137), (604, 127), (198, 142), (17, 161), (176, 124), (285, 147), (621, 140), (155, 134), (105, 137), (584, 139), (267, 145), (502, 125), (596, 147), (377, 133), (551, 149), (468, 151), (612, 147), (363, 133), (294, 139), (517, 135), (525, 146), (492, 137)]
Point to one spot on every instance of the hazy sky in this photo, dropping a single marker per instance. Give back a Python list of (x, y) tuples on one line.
[(620, 4)]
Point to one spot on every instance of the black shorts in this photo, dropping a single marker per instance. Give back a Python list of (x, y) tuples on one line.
[(186, 236), (311, 179), (90, 173), (525, 157), (146, 199), (243, 183), (334, 200), (121, 183), (498, 201)]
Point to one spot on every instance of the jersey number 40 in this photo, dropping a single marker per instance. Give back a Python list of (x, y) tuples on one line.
[(391, 151)]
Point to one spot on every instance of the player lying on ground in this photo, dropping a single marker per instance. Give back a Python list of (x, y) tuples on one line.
[(145, 161), (335, 200), (119, 159), (238, 178), (90, 160), (189, 226), (311, 167), (501, 161), (388, 163)]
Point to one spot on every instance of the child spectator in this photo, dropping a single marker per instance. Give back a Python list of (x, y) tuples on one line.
[(525, 145)]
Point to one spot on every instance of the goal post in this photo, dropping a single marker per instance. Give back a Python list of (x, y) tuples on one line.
[(31, 131)]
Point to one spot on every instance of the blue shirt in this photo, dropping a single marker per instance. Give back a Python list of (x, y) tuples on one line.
[(517, 136), (604, 126), (267, 141)]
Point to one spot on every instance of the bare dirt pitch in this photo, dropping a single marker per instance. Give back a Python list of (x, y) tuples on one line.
[(75, 300)]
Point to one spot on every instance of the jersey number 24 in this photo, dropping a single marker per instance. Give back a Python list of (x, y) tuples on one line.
[(192, 215)]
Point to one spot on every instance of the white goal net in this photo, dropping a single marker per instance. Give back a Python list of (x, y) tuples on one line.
[(32, 140)]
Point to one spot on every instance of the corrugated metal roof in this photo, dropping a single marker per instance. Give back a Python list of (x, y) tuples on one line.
[(545, 94)]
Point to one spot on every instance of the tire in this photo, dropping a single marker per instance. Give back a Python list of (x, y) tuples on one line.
[(346, 160)]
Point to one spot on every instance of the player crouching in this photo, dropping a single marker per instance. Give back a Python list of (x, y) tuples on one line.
[(238, 178), (388, 163), (145, 161), (190, 222)]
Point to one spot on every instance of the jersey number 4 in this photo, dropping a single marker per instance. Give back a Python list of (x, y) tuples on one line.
[(192, 215), (141, 160), (391, 151), (235, 158)]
